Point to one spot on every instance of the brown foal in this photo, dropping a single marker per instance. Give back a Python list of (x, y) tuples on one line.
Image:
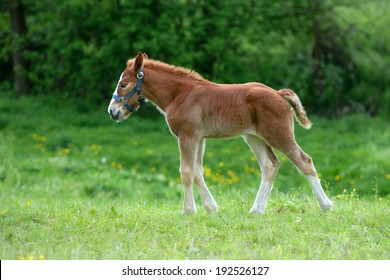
[(196, 109)]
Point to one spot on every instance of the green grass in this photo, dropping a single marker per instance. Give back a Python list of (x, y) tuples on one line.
[(75, 185)]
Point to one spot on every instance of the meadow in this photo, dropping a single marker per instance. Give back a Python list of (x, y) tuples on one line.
[(76, 185)]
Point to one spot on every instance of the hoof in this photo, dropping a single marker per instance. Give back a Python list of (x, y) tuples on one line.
[(188, 211), (255, 211), (327, 206), (211, 209)]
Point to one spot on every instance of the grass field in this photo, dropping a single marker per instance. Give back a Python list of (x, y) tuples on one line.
[(75, 185)]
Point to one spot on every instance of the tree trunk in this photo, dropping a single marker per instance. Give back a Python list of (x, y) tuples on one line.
[(19, 31)]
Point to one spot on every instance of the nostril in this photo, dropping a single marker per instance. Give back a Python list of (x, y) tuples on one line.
[(113, 115)]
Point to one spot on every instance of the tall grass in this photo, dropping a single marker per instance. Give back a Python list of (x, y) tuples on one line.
[(75, 185)]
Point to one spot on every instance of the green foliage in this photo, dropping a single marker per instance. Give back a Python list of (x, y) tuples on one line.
[(333, 53), (75, 185)]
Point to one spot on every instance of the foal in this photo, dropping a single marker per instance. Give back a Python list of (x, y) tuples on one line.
[(196, 109)]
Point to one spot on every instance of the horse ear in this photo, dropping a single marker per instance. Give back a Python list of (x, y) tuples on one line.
[(145, 56), (139, 62)]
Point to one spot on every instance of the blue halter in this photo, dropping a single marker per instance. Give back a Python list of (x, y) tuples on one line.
[(135, 90)]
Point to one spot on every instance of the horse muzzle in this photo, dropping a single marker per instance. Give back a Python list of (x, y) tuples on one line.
[(115, 115)]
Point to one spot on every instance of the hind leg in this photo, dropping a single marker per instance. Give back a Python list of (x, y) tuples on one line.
[(305, 166), (269, 165)]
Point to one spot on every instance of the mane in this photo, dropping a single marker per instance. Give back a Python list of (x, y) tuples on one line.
[(177, 70)]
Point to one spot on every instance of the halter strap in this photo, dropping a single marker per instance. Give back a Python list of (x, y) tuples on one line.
[(135, 90)]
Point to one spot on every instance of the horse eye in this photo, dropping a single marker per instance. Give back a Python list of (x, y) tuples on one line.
[(123, 86)]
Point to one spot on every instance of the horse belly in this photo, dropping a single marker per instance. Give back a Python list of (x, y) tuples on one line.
[(227, 124)]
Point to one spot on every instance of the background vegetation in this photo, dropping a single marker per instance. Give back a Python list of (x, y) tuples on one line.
[(335, 54)]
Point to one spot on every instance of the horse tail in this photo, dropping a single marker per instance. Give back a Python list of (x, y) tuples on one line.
[(299, 112)]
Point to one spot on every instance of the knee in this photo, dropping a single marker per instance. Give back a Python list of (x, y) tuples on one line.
[(186, 175), (270, 169), (275, 163), (308, 167)]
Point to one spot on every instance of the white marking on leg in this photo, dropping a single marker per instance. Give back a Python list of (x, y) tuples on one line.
[(207, 198), (187, 162), (261, 197), (208, 201), (268, 166), (323, 200), (189, 200)]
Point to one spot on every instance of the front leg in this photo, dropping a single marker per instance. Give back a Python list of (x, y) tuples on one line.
[(208, 200), (188, 148)]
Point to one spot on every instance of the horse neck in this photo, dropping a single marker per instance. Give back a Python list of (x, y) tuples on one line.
[(162, 88)]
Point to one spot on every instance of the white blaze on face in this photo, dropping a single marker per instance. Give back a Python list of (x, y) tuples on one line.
[(113, 108)]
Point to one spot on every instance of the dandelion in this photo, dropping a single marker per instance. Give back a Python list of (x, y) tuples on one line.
[(30, 257), (41, 257), (116, 165), (63, 152), (249, 169), (207, 171), (387, 176), (319, 175), (95, 148), (39, 138), (345, 195), (337, 177)]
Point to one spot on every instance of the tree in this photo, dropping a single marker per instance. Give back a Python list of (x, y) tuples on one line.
[(19, 31)]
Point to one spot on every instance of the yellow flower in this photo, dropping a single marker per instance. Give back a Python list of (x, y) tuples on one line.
[(116, 165), (41, 257), (337, 177), (387, 176), (39, 138), (96, 148), (207, 172), (64, 151), (153, 169), (221, 164)]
